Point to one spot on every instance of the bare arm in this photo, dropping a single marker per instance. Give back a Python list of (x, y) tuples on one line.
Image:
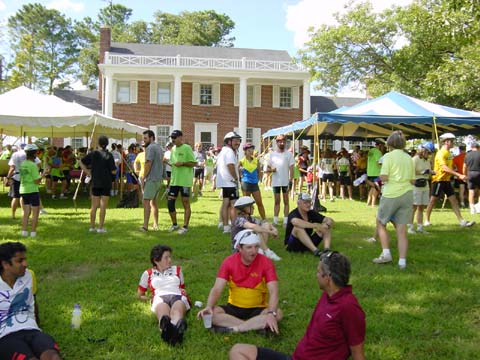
[(213, 297), (141, 295), (231, 169), (148, 167), (271, 321), (357, 352), (85, 169)]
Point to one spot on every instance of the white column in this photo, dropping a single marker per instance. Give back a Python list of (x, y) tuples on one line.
[(306, 99), (108, 93), (242, 112), (177, 103)]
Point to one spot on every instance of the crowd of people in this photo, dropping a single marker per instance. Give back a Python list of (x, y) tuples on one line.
[(403, 183)]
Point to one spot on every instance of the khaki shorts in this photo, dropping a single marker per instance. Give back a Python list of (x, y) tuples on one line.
[(397, 209), (421, 197), (151, 190)]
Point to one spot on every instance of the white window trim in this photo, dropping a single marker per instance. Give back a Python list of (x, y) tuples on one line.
[(206, 127), (257, 95), (215, 93), (256, 136)]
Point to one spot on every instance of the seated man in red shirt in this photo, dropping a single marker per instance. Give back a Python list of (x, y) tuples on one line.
[(337, 328), (253, 290)]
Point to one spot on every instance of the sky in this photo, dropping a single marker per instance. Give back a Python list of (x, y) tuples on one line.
[(259, 24)]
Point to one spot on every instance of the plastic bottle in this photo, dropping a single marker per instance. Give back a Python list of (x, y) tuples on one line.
[(76, 317)]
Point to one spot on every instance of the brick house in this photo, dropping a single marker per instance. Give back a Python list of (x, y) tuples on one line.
[(204, 91)]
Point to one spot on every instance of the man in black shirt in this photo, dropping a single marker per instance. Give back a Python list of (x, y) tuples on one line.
[(471, 168), (100, 166), (306, 228)]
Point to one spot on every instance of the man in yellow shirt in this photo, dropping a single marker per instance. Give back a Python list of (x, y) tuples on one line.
[(443, 171)]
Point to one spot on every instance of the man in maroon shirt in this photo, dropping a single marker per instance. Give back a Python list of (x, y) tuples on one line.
[(337, 328)]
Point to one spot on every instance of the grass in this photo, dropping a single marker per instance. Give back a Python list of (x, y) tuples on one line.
[(429, 311)]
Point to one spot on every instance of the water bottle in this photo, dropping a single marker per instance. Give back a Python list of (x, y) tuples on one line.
[(76, 316)]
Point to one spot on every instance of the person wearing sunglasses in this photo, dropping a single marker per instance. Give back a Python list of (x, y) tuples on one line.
[(337, 326)]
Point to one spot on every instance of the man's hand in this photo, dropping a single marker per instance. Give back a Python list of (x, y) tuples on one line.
[(271, 323), (206, 310)]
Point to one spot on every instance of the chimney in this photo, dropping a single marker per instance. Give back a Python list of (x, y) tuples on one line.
[(105, 43)]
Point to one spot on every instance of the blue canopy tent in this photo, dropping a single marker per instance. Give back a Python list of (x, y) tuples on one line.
[(380, 116)]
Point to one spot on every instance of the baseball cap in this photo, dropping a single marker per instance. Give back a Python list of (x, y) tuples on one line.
[(304, 197), (379, 141), (176, 133), (246, 237), (30, 147), (248, 146), (447, 136)]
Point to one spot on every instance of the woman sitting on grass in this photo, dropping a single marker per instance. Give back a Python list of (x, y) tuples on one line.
[(168, 296)]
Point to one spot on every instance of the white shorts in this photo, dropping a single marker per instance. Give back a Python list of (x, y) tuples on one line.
[(159, 300), (421, 197)]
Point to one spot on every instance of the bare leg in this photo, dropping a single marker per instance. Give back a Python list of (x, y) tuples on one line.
[(14, 205), (402, 240), (146, 213), (26, 215), (455, 208), (276, 205), (103, 211), (93, 210), (188, 211), (154, 209), (177, 311), (257, 196), (302, 235), (431, 204), (35, 212), (224, 210), (286, 205), (243, 352), (383, 235)]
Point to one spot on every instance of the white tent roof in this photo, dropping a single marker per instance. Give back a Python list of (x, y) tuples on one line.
[(24, 112)]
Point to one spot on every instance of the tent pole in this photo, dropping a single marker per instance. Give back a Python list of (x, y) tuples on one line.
[(435, 131), (51, 139), (121, 165)]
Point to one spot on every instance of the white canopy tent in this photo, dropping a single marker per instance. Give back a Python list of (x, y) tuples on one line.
[(24, 112)]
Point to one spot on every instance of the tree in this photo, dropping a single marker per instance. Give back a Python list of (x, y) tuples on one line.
[(205, 28), (44, 46), (414, 50)]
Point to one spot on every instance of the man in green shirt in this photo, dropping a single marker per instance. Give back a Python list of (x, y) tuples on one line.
[(373, 170), (182, 161)]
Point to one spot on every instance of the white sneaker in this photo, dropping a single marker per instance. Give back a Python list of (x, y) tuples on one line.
[(465, 223), (427, 223), (220, 225), (371, 240), (24, 233), (101, 231), (271, 255), (411, 231), (63, 197), (383, 259), (472, 210), (182, 230), (92, 230), (421, 230), (33, 234), (112, 193), (173, 228), (227, 229), (43, 211), (477, 208)]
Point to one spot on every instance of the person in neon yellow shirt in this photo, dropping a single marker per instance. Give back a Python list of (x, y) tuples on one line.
[(396, 203), (443, 171)]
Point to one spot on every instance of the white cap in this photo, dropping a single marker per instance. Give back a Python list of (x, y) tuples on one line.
[(447, 136), (246, 237), (243, 201), (30, 147)]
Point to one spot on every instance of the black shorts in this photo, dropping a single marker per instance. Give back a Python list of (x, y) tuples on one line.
[(101, 191), (242, 313), (440, 187), (344, 179), (230, 193), (295, 245), (199, 173), (458, 182), (32, 199), (280, 189), (174, 190), (269, 354), (26, 344), (14, 191), (473, 180), (169, 174), (250, 187), (328, 177)]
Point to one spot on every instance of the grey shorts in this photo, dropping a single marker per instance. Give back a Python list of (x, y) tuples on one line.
[(398, 209), (151, 189)]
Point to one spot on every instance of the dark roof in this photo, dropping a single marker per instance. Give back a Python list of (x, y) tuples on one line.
[(198, 51), (87, 98), (329, 103)]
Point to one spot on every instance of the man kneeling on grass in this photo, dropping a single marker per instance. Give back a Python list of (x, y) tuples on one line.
[(337, 327), (168, 296), (253, 290), (306, 228), (20, 336)]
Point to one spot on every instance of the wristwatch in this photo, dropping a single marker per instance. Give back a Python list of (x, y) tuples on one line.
[(274, 313)]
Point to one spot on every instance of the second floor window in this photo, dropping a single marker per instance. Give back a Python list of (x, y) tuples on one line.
[(163, 93), (123, 92), (206, 94), (285, 97)]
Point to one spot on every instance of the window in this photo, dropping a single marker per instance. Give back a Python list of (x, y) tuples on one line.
[(206, 94), (250, 96), (163, 135), (250, 136), (76, 142), (285, 97), (123, 92), (163, 93)]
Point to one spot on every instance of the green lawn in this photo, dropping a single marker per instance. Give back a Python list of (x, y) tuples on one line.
[(429, 311)]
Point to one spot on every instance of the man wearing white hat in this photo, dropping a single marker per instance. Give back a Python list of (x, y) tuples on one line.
[(253, 290), (443, 171)]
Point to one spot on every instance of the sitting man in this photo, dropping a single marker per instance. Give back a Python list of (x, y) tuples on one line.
[(337, 327), (20, 336), (253, 290), (306, 228), (245, 220)]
